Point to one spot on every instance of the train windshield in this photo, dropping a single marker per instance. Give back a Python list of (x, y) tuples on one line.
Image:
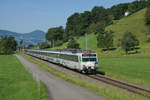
[(88, 59)]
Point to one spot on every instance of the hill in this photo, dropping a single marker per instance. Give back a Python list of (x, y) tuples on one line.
[(33, 37), (133, 23)]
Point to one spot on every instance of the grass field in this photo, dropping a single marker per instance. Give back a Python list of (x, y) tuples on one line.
[(111, 93), (16, 83), (131, 69)]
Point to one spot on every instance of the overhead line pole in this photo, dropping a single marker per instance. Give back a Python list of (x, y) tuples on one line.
[(53, 43), (86, 41)]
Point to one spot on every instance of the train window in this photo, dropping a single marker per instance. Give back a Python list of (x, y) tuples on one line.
[(69, 57), (88, 59)]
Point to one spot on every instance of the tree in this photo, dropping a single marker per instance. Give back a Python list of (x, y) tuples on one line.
[(118, 10), (73, 44), (96, 28), (148, 3), (85, 21), (55, 34), (137, 5), (129, 42), (21, 44), (72, 25), (147, 16), (44, 45), (30, 46), (8, 45), (105, 39), (100, 14)]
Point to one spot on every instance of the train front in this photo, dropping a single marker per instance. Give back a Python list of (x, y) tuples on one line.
[(89, 63)]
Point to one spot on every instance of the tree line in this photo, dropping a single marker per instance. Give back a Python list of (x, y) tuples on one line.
[(88, 22), (147, 18), (147, 15), (80, 23)]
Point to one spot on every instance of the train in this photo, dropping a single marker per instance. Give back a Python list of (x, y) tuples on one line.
[(84, 61)]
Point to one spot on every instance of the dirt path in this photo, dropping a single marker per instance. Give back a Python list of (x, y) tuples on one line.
[(59, 89)]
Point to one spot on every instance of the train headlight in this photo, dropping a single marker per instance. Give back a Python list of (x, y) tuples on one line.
[(96, 63)]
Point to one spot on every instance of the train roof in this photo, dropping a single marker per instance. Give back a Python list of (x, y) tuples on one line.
[(65, 51)]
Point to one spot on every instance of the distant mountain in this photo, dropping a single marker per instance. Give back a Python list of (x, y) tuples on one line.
[(33, 37)]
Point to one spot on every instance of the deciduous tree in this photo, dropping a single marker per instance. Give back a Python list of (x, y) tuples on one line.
[(73, 44), (8, 45), (105, 39), (129, 42)]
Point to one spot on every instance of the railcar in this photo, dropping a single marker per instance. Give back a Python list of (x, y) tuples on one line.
[(84, 61)]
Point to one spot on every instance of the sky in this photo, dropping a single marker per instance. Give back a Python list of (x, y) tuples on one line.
[(24, 16)]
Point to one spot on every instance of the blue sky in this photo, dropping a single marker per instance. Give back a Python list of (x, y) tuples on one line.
[(27, 15)]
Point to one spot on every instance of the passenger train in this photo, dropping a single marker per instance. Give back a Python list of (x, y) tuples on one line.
[(84, 61)]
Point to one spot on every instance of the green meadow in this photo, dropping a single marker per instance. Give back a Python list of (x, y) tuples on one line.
[(131, 69), (16, 83), (110, 92)]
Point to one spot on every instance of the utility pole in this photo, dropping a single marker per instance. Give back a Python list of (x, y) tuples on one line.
[(53, 43), (86, 41)]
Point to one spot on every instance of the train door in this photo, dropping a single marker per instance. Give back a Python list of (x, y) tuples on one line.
[(79, 63)]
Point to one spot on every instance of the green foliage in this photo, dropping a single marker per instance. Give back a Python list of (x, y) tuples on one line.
[(137, 5), (119, 10), (105, 39), (147, 16), (56, 34), (44, 45), (73, 44), (129, 42), (72, 25), (8, 45), (96, 28), (30, 46), (78, 23), (89, 21), (85, 21), (148, 3), (101, 15), (21, 43), (134, 23)]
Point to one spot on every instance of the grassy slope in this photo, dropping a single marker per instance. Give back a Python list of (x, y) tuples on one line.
[(133, 23), (16, 83)]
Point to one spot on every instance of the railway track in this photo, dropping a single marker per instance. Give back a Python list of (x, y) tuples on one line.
[(124, 85), (130, 87)]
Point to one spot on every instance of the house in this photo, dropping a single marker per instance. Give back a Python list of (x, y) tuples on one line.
[(126, 13)]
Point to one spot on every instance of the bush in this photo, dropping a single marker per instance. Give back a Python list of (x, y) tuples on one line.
[(73, 44), (8, 45), (129, 42), (44, 45)]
